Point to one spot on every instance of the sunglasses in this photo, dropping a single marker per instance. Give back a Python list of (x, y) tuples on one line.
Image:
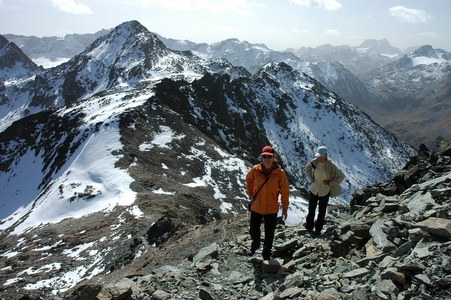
[(266, 156)]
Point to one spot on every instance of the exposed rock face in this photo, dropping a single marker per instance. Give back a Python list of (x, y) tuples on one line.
[(395, 244)]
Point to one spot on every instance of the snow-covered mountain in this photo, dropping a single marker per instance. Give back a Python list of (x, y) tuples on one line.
[(117, 65), (408, 76), (253, 57), (412, 95), (112, 63), (337, 78), (130, 62), (321, 63), (129, 140), (341, 69)]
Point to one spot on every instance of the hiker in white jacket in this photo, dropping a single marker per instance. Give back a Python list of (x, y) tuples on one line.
[(325, 179)]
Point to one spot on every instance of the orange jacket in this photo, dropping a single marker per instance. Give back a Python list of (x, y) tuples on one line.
[(267, 201)]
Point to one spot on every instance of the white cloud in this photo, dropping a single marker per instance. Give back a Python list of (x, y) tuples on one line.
[(240, 7), (327, 4), (72, 7), (297, 31), (409, 15), (333, 32)]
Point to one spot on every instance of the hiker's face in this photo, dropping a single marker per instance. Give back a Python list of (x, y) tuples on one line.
[(268, 160), (322, 159)]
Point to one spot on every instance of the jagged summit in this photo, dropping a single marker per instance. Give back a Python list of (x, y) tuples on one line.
[(425, 50), (128, 41), (423, 57)]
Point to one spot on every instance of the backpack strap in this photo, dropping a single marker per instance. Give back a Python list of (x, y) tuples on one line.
[(254, 197)]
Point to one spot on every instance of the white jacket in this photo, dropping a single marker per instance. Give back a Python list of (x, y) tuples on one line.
[(321, 171)]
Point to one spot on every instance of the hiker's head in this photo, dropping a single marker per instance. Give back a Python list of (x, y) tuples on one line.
[(321, 154), (267, 156)]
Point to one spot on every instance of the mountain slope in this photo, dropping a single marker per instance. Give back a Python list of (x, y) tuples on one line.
[(295, 113), (411, 97), (118, 72), (337, 78), (130, 57), (278, 105)]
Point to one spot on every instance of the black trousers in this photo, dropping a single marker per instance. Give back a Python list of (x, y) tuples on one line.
[(255, 232), (313, 202)]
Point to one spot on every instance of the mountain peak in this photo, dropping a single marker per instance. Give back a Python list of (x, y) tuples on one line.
[(426, 51), (374, 42), (427, 55), (133, 32), (234, 42), (13, 62), (133, 27), (379, 46), (122, 57)]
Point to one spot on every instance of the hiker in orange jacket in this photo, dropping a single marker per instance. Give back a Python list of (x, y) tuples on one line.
[(265, 182)]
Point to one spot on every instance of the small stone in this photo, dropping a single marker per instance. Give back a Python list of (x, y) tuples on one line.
[(356, 273)]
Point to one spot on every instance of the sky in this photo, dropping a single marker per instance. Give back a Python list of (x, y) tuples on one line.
[(279, 24)]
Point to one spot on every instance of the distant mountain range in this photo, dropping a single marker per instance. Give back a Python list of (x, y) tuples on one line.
[(368, 76), (371, 54), (52, 51), (357, 74)]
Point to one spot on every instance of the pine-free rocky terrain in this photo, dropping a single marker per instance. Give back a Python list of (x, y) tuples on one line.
[(392, 242)]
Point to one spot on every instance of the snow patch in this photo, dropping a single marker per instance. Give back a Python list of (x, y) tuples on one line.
[(423, 60)]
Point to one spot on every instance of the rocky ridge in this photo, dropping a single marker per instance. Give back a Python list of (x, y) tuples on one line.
[(394, 243)]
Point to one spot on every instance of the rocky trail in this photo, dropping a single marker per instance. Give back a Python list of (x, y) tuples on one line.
[(394, 243)]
